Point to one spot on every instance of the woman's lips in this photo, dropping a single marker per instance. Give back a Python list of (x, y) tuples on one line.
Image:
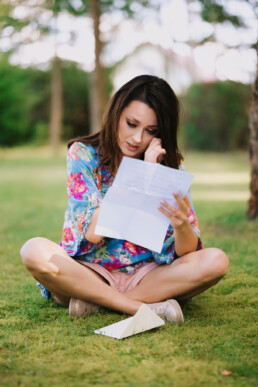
[(131, 147)]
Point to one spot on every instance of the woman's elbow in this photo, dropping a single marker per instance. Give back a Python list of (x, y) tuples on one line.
[(93, 238)]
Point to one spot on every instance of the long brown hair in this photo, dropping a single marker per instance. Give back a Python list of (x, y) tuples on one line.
[(159, 96)]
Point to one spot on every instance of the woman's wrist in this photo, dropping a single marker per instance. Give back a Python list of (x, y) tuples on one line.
[(186, 240), (183, 227), (90, 233)]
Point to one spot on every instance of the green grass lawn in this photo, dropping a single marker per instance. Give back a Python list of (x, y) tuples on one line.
[(40, 345)]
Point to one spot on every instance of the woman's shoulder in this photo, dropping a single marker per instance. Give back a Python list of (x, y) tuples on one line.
[(85, 152)]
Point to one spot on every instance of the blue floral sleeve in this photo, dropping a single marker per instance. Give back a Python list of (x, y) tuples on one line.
[(83, 198)]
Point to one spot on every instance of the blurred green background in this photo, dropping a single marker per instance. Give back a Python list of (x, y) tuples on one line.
[(214, 115), (60, 61)]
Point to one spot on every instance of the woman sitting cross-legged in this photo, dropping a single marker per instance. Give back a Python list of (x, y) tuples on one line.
[(87, 271)]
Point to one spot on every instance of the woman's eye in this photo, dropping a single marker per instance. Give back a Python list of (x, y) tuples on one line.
[(151, 131), (131, 124)]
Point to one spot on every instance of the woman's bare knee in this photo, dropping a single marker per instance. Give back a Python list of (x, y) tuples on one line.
[(215, 264), (220, 262), (32, 255), (28, 251)]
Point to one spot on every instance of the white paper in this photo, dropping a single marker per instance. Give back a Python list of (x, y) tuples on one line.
[(144, 320), (129, 209)]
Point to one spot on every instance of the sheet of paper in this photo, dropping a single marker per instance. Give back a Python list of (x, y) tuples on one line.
[(144, 320), (130, 207)]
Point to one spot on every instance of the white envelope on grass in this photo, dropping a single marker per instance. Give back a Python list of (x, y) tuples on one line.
[(144, 320)]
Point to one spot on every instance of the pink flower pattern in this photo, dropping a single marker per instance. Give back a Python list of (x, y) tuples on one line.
[(133, 249), (76, 185), (67, 235)]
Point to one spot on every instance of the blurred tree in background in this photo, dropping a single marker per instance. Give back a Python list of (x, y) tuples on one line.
[(28, 25), (96, 9), (214, 12), (252, 210), (14, 108), (40, 18), (38, 90), (215, 116), (27, 119), (76, 101)]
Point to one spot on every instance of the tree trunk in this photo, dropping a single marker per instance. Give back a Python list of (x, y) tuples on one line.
[(56, 108), (253, 123), (97, 81)]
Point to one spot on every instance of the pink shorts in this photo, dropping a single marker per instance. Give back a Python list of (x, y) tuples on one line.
[(120, 281)]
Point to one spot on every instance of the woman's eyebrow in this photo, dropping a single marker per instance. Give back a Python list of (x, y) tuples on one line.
[(153, 126), (138, 122)]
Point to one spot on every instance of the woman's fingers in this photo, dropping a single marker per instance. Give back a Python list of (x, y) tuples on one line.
[(177, 216), (172, 210), (184, 203), (168, 214), (186, 198), (161, 155), (155, 141), (187, 201), (154, 153)]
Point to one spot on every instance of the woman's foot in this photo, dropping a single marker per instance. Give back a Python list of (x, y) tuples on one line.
[(79, 308), (169, 311)]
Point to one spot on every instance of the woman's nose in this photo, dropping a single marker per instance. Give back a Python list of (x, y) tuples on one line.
[(137, 137)]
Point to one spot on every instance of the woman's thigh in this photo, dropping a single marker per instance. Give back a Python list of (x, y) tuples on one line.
[(44, 258), (187, 274), (203, 265)]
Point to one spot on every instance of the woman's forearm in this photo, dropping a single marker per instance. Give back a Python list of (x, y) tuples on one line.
[(90, 233), (185, 239)]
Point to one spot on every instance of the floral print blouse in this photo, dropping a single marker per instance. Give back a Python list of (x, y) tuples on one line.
[(87, 184)]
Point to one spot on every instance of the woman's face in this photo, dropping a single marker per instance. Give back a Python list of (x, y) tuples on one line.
[(136, 128)]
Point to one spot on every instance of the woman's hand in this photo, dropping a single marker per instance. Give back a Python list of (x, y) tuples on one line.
[(154, 153), (178, 217), (185, 238)]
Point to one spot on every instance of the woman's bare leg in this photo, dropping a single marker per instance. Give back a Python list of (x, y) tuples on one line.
[(53, 268), (66, 278), (184, 278)]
